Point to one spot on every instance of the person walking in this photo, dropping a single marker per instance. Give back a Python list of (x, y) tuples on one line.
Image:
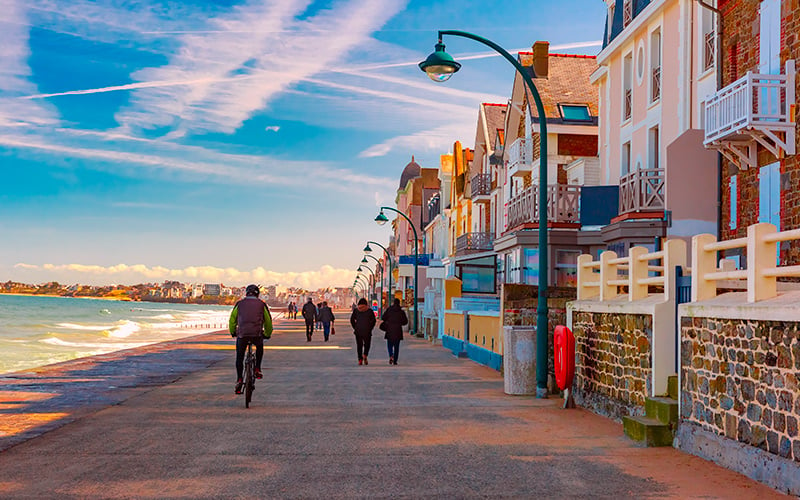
[(319, 321), (326, 318), (394, 318), (363, 321), (310, 315), (250, 322), (289, 310)]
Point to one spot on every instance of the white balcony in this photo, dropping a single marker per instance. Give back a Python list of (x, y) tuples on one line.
[(755, 109), (520, 157), (563, 205), (481, 188)]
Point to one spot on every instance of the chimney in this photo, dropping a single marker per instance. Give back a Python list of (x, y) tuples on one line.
[(541, 52)]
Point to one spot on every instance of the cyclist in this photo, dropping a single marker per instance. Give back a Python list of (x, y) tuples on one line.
[(250, 321)]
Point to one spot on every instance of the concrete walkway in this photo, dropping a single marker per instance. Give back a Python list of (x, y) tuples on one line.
[(163, 422)]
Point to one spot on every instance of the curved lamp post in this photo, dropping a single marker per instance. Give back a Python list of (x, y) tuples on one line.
[(440, 66), (364, 286), (368, 250), (373, 277), (381, 219), (378, 266)]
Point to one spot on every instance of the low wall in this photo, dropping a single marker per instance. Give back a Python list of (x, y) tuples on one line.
[(485, 332), (740, 385), (624, 353)]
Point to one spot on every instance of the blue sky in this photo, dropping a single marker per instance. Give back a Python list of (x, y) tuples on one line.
[(234, 141)]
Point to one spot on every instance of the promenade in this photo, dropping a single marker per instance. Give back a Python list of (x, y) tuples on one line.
[(163, 422)]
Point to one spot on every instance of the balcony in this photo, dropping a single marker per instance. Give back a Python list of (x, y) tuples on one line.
[(642, 191), (754, 110), (481, 188), (563, 205), (520, 157), (474, 242)]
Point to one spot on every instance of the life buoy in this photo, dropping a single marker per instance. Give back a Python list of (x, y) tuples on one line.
[(564, 352)]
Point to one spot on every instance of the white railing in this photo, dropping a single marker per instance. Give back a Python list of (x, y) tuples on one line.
[(601, 278), (751, 101), (642, 190), (627, 12), (709, 50), (520, 154), (563, 205), (761, 246)]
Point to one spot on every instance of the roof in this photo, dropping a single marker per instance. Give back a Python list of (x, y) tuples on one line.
[(616, 24), (495, 117), (411, 171), (567, 83)]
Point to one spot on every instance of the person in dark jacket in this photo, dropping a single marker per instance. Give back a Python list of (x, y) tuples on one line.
[(250, 322), (363, 321), (394, 318), (326, 319), (310, 315)]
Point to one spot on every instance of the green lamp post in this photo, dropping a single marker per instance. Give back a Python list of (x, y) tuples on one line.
[(368, 250), (440, 66), (378, 266), (381, 219), (372, 273)]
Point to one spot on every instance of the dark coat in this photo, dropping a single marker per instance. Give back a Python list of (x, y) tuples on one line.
[(363, 321), (395, 318), (309, 312), (325, 315)]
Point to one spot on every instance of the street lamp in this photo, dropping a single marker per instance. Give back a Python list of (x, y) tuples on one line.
[(368, 250), (381, 219), (373, 277), (378, 266), (440, 66)]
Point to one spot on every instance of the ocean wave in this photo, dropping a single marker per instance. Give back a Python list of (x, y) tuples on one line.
[(104, 347), (73, 326), (124, 329), (163, 316)]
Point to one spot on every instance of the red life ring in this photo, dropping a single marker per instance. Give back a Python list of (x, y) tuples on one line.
[(564, 352)]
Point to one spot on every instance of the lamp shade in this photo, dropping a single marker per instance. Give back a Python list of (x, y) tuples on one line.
[(381, 219), (439, 66)]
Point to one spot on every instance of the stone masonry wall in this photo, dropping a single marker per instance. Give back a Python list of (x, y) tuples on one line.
[(613, 364), (740, 379)]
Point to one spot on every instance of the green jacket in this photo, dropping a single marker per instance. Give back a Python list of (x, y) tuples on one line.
[(245, 320)]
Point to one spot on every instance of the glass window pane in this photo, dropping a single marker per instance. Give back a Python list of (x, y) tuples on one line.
[(575, 112)]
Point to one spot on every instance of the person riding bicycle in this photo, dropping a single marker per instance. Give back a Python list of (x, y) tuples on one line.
[(250, 321)]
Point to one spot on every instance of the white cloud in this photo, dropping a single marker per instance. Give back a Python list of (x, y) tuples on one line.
[(272, 128), (438, 139), (138, 273)]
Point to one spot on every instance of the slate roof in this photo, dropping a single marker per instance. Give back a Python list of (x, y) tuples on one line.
[(567, 83), (495, 118), (616, 25), (411, 171)]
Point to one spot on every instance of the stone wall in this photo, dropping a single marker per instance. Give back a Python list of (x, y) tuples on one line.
[(739, 379), (613, 365)]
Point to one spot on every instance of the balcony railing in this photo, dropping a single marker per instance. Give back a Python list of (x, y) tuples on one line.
[(642, 190), (628, 105), (481, 185), (520, 156), (474, 242), (627, 12), (563, 205), (708, 50), (755, 108), (655, 84)]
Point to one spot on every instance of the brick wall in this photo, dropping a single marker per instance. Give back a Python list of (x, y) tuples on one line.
[(613, 364), (577, 145), (739, 379), (740, 51)]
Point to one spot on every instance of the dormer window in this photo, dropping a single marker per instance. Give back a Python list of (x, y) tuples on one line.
[(575, 112), (627, 12)]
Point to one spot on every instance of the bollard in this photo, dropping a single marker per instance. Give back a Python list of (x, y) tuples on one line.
[(519, 360)]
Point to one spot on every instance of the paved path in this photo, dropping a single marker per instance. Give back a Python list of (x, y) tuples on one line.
[(163, 422)]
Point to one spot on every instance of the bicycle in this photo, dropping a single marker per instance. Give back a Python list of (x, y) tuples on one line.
[(249, 374)]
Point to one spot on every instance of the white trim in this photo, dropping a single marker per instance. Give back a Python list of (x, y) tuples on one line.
[(553, 129), (640, 20)]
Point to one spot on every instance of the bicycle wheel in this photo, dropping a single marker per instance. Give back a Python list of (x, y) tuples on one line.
[(249, 378)]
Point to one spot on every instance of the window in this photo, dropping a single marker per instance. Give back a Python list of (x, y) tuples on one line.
[(769, 194), (566, 268), (769, 61), (627, 12), (655, 66), (575, 112), (709, 38), (530, 266), (625, 160), (627, 97), (653, 152), (733, 214), (478, 275), (610, 25)]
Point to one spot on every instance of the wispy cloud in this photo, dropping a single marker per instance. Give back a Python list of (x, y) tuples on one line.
[(272, 128), (439, 139), (273, 58), (137, 273)]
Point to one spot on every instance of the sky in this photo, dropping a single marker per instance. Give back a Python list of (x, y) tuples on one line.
[(235, 141)]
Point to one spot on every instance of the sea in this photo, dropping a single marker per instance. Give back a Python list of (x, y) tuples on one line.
[(37, 331)]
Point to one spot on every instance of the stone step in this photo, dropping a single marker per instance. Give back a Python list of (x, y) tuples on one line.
[(663, 409), (647, 430), (672, 386)]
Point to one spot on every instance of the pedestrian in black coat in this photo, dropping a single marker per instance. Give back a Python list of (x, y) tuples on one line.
[(394, 318), (363, 321)]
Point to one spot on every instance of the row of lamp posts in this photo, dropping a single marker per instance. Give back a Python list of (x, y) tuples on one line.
[(440, 66)]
